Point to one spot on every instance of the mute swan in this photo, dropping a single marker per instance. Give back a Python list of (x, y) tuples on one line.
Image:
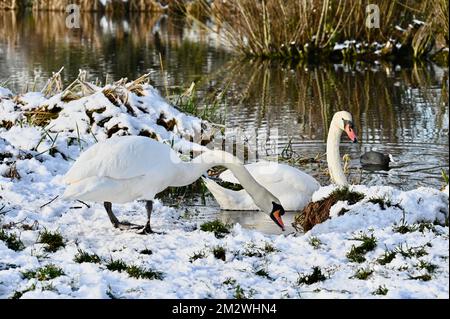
[(280, 179), (128, 168), (293, 187)]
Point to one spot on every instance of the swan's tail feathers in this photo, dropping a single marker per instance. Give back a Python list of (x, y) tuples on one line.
[(229, 199), (66, 196), (70, 193)]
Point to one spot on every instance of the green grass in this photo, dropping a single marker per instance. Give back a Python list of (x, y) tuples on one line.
[(229, 281), (383, 203), (217, 227), (263, 273), (239, 293), (345, 194), (116, 265), (425, 265), (311, 278), (387, 257), (426, 226), (44, 273), (18, 294), (197, 255), (315, 242), (356, 253), (363, 274), (404, 228), (144, 273), (52, 240), (424, 277), (11, 241), (269, 248), (252, 251), (133, 270), (188, 102), (219, 252), (444, 176), (381, 290), (85, 257), (410, 252)]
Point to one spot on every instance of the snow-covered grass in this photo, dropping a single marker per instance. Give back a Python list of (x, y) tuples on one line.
[(55, 249)]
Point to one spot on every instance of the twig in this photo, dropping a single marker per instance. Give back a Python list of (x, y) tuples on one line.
[(83, 203), (49, 201)]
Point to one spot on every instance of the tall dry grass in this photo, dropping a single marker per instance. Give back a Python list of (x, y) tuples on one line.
[(288, 28), (441, 17)]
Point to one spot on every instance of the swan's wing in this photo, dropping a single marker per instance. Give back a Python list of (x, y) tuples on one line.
[(276, 176), (120, 158)]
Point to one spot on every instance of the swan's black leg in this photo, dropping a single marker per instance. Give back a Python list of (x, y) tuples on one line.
[(115, 221), (112, 217), (148, 229), (149, 207)]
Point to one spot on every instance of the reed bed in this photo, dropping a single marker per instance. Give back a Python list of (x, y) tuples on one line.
[(310, 29)]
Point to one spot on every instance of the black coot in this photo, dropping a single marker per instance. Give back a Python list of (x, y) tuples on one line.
[(375, 159)]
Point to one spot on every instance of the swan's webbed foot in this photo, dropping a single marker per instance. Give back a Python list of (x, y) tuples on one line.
[(147, 229), (126, 225)]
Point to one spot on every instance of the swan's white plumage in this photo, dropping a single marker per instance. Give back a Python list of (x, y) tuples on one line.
[(120, 158), (290, 185), (122, 169)]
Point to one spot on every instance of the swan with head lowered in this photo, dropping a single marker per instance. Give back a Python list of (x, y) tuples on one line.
[(129, 168), (290, 185)]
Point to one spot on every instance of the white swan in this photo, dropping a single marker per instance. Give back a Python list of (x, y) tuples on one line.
[(128, 168), (290, 185), (293, 187)]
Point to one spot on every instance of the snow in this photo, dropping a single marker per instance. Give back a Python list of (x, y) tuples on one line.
[(25, 206), (5, 92)]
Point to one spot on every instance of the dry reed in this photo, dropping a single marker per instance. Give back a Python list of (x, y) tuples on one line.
[(309, 29)]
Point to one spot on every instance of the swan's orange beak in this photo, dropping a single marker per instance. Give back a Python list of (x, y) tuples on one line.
[(277, 219), (350, 132)]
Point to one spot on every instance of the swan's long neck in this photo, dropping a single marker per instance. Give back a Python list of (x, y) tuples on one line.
[(189, 172), (334, 157)]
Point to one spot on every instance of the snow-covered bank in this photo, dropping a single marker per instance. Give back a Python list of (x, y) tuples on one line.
[(368, 252)]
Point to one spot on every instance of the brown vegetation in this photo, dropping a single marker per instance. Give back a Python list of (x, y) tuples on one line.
[(309, 29), (318, 212)]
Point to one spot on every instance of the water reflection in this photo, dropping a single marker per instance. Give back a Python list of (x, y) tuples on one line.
[(35, 44), (403, 112), (399, 111)]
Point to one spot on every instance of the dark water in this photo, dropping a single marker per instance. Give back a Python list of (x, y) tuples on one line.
[(397, 110)]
